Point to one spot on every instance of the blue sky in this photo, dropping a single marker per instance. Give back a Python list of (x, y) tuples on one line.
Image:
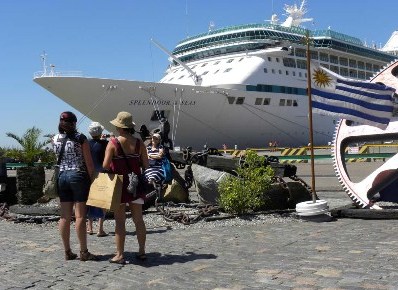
[(111, 39)]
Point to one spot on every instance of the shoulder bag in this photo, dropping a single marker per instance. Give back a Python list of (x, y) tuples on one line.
[(56, 167), (133, 178)]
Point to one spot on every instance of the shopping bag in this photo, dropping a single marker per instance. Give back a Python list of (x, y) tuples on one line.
[(106, 191)]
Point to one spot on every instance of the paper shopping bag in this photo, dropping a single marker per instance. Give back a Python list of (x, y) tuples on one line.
[(106, 191)]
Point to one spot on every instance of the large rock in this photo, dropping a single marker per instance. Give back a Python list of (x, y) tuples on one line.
[(30, 181), (49, 187), (207, 181), (176, 193)]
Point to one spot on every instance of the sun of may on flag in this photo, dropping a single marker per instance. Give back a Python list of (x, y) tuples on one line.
[(362, 102)]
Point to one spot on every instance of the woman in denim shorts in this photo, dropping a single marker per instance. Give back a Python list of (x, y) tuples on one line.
[(76, 171)]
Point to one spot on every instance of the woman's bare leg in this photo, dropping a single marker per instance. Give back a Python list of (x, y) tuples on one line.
[(140, 228)]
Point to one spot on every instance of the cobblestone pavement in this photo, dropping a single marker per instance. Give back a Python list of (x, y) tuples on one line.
[(342, 254), (278, 253)]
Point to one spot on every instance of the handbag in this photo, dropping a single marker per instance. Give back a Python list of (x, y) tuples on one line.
[(106, 191), (133, 178), (166, 166)]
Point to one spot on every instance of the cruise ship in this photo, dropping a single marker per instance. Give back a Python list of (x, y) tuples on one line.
[(240, 86)]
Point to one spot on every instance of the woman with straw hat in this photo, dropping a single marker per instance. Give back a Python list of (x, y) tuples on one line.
[(123, 155)]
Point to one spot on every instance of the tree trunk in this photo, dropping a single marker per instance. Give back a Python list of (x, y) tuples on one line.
[(30, 181)]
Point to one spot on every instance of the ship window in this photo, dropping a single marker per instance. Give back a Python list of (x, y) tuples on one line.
[(273, 71), (300, 75), (324, 57), (300, 52), (353, 63), (217, 62), (294, 73), (376, 67), (334, 59), (205, 73), (277, 59), (267, 101), (295, 103), (287, 72), (314, 55), (325, 65), (288, 103), (361, 74), (171, 79), (230, 60), (228, 69), (368, 66), (343, 61), (343, 71), (334, 68), (258, 101), (301, 64), (361, 65), (280, 71), (231, 100), (216, 71), (157, 115), (181, 77), (282, 102), (289, 62), (240, 100), (193, 66), (204, 64), (305, 75), (265, 70), (269, 58), (241, 59), (353, 73)]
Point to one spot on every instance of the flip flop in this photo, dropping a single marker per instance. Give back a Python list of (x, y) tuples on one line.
[(141, 257), (121, 261), (102, 234), (90, 232)]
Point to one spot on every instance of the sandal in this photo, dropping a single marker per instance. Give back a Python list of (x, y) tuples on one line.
[(87, 256), (102, 234), (120, 261), (69, 255), (90, 233), (141, 257)]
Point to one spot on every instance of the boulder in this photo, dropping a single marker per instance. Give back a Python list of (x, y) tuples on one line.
[(207, 181), (176, 193)]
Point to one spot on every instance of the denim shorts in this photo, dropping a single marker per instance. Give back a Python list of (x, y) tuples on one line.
[(73, 186)]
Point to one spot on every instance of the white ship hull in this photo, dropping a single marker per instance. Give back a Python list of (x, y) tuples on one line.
[(242, 85), (197, 115)]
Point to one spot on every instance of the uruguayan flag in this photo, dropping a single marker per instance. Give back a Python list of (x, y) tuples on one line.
[(362, 102)]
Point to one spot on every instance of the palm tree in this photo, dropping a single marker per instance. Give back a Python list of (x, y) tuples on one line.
[(31, 146), (30, 180)]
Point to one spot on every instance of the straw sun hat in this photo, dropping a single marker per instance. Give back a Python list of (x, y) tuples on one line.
[(123, 120)]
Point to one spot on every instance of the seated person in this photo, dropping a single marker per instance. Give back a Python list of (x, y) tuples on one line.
[(155, 155)]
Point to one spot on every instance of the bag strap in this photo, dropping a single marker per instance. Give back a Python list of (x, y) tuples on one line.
[(61, 152)]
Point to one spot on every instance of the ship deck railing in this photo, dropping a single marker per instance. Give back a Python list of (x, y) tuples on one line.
[(41, 74)]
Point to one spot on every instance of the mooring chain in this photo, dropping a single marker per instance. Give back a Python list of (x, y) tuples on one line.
[(184, 218)]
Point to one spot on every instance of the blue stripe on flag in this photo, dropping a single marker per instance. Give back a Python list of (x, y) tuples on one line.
[(371, 86), (343, 98), (342, 110), (374, 95)]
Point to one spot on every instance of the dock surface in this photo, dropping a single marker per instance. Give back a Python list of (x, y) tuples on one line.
[(279, 253)]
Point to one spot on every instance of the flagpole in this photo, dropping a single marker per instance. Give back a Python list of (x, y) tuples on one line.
[(307, 39)]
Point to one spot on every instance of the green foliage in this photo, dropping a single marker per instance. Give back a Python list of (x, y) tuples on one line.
[(32, 148), (246, 192)]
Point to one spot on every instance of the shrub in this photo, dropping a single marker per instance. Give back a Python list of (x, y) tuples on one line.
[(246, 192)]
